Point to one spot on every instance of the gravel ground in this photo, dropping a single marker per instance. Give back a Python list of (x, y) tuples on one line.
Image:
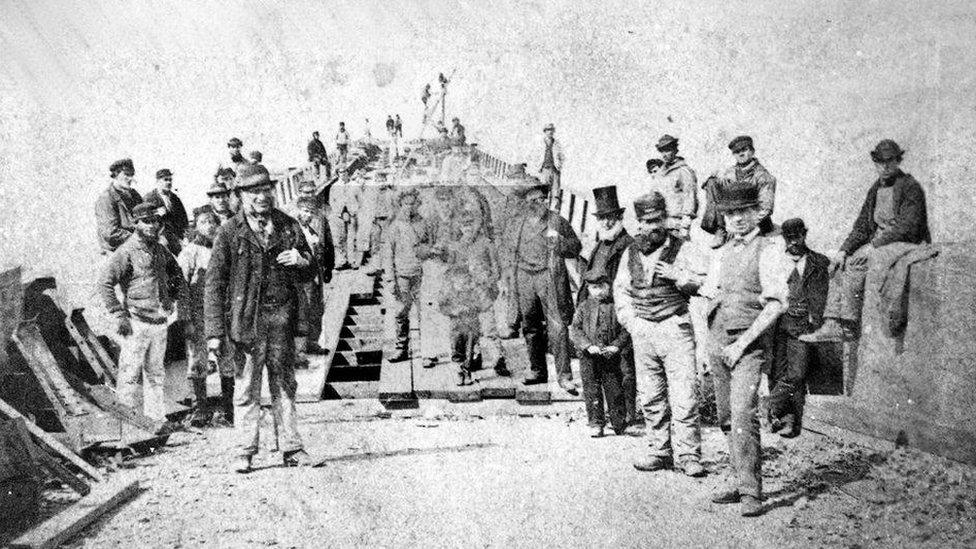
[(497, 474)]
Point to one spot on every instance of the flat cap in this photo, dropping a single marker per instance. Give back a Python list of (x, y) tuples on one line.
[(252, 176), (549, 126), (234, 142), (217, 188), (652, 203), (667, 143), (793, 227), (144, 211), (124, 164), (165, 172), (256, 156), (885, 150), (741, 142)]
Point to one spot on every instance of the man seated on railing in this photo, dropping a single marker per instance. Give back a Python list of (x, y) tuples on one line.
[(892, 218)]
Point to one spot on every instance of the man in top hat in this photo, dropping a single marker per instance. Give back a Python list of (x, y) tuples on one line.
[(236, 160), (259, 262), (808, 295), (540, 242), (892, 217), (747, 171), (748, 291), (152, 283), (651, 293), (318, 156), (174, 217), (550, 161), (113, 209), (611, 241), (678, 184)]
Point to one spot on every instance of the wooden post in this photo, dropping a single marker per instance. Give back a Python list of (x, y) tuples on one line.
[(586, 203), (572, 208)]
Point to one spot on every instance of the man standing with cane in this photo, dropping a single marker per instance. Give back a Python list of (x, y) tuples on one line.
[(260, 260)]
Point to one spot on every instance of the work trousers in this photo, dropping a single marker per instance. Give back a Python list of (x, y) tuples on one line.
[(845, 295), (406, 291), (344, 240), (550, 177), (787, 377), (314, 308), (197, 365), (142, 358), (537, 303), (666, 381), (629, 385), (484, 332), (737, 401), (273, 351), (376, 239), (603, 382)]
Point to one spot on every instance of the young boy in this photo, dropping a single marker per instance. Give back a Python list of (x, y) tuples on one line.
[(406, 247), (193, 260), (600, 340)]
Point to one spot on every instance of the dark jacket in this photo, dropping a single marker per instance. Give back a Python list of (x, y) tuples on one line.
[(151, 281), (816, 280), (324, 251), (617, 247), (583, 332), (113, 212), (566, 246), (911, 217), (316, 148), (238, 264), (175, 221)]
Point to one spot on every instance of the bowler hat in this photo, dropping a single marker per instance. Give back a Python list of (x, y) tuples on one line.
[(793, 227), (596, 275), (144, 211), (163, 173), (667, 143), (886, 150), (234, 142), (741, 142), (649, 204), (606, 201), (737, 197), (124, 164), (251, 176), (217, 188)]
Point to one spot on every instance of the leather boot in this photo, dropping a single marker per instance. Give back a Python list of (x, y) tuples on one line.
[(200, 414), (227, 399)]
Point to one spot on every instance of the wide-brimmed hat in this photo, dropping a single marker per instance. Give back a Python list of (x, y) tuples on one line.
[(667, 143), (605, 199), (217, 188), (886, 150), (649, 204), (252, 176), (737, 197)]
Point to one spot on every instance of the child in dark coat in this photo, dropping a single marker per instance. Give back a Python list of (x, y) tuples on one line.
[(600, 340)]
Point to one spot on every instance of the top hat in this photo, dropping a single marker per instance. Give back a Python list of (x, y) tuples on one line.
[(596, 275), (146, 211), (886, 150), (165, 172), (650, 204), (606, 201), (667, 143), (737, 197), (251, 176), (793, 227), (741, 142)]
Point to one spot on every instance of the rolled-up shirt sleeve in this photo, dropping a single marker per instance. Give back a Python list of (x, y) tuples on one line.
[(621, 299), (774, 273)]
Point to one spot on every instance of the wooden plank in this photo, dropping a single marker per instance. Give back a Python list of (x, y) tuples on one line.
[(78, 319), (335, 311), (51, 443), (31, 344), (67, 524), (105, 399), (48, 462)]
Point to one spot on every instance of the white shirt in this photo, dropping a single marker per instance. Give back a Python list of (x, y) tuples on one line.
[(774, 268), (621, 284)]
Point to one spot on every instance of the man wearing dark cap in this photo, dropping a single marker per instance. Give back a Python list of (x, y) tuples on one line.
[(651, 293), (318, 156), (678, 184), (236, 161), (259, 261), (808, 294), (611, 241), (174, 217), (219, 195), (256, 157), (892, 217), (541, 241), (747, 172), (747, 290), (151, 284), (113, 209)]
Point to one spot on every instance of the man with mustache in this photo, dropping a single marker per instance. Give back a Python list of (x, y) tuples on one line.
[(113, 209), (259, 262), (808, 295), (147, 273), (748, 290), (651, 293)]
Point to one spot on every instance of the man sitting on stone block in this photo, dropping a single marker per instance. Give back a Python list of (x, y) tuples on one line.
[(893, 212)]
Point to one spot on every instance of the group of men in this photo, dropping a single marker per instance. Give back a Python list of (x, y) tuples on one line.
[(766, 294)]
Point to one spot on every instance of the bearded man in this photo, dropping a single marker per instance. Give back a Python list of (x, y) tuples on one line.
[(651, 295)]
